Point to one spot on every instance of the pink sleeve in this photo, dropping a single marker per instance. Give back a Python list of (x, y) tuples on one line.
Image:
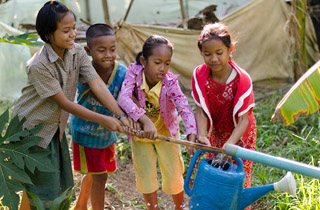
[(181, 102), (125, 97)]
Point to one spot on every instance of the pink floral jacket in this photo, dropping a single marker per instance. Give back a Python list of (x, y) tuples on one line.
[(171, 97)]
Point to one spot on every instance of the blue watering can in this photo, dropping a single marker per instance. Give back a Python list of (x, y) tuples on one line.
[(216, 188)]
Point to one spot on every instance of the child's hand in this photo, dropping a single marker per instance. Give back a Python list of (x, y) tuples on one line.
[(127, 122), (112, 124), (137, 129), (149, 130), (136, 126), (203, 140), (191, 150), (225, 145)]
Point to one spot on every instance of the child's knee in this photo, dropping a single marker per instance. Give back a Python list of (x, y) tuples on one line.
[(102, 178)]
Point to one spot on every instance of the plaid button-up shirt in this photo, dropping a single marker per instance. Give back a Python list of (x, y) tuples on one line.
[(48, 75)]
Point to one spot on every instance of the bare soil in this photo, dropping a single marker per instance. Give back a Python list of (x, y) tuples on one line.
[(121, 192)]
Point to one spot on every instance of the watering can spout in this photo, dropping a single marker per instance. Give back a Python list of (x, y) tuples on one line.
[(250, 195)]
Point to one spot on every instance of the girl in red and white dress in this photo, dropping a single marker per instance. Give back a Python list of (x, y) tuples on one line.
[(223, 95)]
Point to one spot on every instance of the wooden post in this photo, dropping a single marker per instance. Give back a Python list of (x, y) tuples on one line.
[(88, 16), (183, 14), (106, 11), (128, 10)]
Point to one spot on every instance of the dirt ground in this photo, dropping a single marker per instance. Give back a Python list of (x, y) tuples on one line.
[(121, 192)]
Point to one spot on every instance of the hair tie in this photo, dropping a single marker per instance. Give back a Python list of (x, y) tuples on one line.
[(202, 36)]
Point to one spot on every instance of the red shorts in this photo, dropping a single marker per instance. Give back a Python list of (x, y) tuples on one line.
[(87, 160)]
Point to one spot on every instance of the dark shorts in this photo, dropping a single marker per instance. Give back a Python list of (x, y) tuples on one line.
[(49, 185)]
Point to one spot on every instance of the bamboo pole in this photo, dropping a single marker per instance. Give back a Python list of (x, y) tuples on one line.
[(128, 10), (183, 14), (190, 144), (88, 16), (106, 11)]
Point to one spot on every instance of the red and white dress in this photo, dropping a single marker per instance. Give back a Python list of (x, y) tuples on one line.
[(223, 105)]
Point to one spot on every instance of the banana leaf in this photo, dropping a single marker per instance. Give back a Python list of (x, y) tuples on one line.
[(302, 99)]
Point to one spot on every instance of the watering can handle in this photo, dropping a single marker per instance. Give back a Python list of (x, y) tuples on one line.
[(193, 162)]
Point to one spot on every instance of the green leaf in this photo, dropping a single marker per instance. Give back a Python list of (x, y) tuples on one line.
[(16, 136), (3, 120), (23, 36), (14, 130), (36, 200), (7, 167), (8, 189), (63, 202), (66, 204), (22, 39), (302, 99), (21, 156), (18, 152), (36, 129), (58, 202)]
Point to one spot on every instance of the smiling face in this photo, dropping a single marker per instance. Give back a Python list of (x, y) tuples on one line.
[(216, 55), (157, 65), (103, 51), (63, 37)]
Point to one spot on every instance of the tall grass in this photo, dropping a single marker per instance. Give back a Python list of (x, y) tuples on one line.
[(299, 142)]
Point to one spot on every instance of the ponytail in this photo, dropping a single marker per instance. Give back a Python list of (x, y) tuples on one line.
[(138, 58)]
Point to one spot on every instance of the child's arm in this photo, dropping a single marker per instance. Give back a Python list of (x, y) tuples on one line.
[(202, 123), (181, 102), (135, 111), (105, 97), (238, 130), (64, 103)]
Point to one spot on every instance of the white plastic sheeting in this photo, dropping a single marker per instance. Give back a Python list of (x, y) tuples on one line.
[(15, 12), (13, 59)]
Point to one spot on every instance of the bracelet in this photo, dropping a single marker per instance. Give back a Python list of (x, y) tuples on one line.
[(121, 115)]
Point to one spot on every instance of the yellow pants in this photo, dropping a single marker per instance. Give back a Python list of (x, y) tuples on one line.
[(145, 156)]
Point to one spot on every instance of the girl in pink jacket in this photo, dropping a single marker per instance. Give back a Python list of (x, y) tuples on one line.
[(159, 97)]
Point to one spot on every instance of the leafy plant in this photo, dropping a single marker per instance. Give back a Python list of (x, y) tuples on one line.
[(15, 156), (63, 202), (308, 195), (299, 142), (123, 148), (22, 39)]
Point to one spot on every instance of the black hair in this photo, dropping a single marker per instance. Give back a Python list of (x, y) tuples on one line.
[(96, 30), (152, 42), (49, 16), (215, 31)]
